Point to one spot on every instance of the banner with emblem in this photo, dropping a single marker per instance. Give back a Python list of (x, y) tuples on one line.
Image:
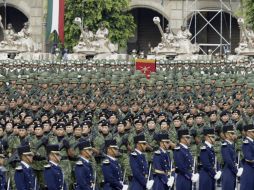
[(146, 66)]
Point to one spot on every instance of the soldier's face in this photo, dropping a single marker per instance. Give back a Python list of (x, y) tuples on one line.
[(69, 129), (164, 126), (38, 131), (78, 132), (22, 132), (139, 126), (151, 125), (120, 128), (60, 132), (86, 130)]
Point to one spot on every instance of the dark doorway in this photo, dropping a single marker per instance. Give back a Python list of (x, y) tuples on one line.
[(13, 16), (146, 32)]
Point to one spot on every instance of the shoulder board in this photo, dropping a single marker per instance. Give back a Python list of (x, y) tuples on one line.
[(224, 144), (47, 166), (106, 161), (157, 152), (79, 163), (19, 168), (203, 148), (245, 142), (177, 148), (134, 154)]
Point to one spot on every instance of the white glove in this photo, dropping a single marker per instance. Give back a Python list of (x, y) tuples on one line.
[(217, 175), (239, 172), (149, 184), (195, 178), (125, 187), (170, 182)]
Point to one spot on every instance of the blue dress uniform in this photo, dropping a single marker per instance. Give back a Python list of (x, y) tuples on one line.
[(53, 177), (83, 170), (112, 174), (84, 175), (207, 171), (53, 174), (139, 169), (247, 180), (24, 178), (3, 184), (229, 171), (183, 162), (24, 175), (161, 165)]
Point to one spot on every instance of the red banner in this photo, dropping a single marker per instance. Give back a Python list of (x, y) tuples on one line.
[(146, 66)]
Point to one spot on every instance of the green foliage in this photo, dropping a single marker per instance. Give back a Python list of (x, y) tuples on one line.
[(113, 13), (248, 11)]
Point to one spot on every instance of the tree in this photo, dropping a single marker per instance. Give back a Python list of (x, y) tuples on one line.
[(113, 13), (248, 11)]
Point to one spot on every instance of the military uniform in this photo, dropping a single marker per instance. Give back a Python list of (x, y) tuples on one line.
[(53, 174), (83, 170), (24, 175), (246, 181)]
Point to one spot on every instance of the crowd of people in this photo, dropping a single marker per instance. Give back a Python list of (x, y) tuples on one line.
[(103, 125)]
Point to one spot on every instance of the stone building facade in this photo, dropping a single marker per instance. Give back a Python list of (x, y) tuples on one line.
[(174, 12)]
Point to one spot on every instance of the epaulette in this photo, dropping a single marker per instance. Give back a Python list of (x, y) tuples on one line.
[(106, 161), (157, 152), (177, 148), (79, 163), (47, 166), (245, 142), (224, 144), (19, 168), (134, 154)]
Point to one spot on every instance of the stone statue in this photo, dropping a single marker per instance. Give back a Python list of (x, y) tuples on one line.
[(86, 44), (185, 46), (103, 43), (246, 45), (25, 39), (10, 35), (167, 46)]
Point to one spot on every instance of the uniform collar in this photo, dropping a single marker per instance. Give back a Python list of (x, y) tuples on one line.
[(208, 144), (25, 164), (162, 150), (87, 161), (184, 146)]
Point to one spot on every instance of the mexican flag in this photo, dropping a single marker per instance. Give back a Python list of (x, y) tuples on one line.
[(55, 19), (146, 66)]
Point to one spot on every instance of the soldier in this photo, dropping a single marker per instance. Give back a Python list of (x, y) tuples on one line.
[(113, 177), (122, 140), (229, 156), (3, 182), (139, 166), (184, 162), (24, 174), (162, 164), (246, 181), (208, 173), (53, 174), (83, 169), (38, 144)]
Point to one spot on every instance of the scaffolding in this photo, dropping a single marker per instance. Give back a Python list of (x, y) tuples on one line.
[(224, 46)]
